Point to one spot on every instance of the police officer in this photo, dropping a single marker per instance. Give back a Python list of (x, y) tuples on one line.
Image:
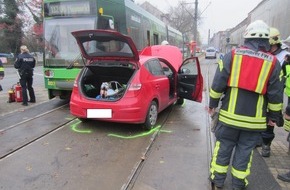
[(249, 83), (25, 64)]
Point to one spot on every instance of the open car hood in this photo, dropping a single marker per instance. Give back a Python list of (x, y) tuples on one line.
[(106, 45), (170, 53)]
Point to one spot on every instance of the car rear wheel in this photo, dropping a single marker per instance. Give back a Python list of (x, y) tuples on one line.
[(151, 117)]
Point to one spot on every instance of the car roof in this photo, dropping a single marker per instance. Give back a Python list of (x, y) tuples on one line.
[(106, 45)]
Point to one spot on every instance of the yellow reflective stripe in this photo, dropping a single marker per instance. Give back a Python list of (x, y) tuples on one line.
[(242, 117), (214, 166), (263, 76), (275, 107), (259, 108), (1, 69), (243, 174), (221, 65), (233, 100), (214, 94), (242, 121), (286, 125), (281, 75), (235, 71)]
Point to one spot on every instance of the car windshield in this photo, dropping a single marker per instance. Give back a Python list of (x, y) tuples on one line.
[(60, 46), (210, 50)]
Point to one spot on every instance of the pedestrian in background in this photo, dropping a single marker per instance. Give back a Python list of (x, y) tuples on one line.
[(1, 73), (276, 49), (25, 64), (248, 80)]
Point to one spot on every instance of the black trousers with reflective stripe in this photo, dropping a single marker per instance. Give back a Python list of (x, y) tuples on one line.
[(236, 144)]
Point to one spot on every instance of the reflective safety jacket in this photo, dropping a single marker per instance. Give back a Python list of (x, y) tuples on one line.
[(287, 77), (1, 69), (251, 85)]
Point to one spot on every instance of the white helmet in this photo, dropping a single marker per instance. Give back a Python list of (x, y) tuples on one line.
[(257, 29), (275, 37), (164, 42)]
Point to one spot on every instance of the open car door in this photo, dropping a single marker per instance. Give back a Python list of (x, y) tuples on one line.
[(190, 80)]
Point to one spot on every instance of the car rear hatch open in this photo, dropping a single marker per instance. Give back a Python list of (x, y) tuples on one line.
[(111, 61), (106, 45)]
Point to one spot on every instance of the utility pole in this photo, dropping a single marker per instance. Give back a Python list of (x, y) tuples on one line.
[(195, 21), (195, 28)]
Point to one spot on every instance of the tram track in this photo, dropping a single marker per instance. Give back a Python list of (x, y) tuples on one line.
[(29, 127), (34, 140), (139, 165), (30, 119)]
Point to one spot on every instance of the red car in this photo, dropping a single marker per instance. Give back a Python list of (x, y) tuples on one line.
[(118, 84)]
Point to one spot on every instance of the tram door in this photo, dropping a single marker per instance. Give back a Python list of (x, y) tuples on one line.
[(148, 38), (155, 38)]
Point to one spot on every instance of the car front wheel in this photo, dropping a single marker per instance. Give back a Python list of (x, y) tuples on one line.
[(180, 101), (151, 117)]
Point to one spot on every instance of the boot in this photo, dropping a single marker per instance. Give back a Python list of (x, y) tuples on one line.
[(215, 187), (284, 177), (266, 150)]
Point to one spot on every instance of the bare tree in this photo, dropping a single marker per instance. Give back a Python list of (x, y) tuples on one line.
[(182, 18), (33, 28)]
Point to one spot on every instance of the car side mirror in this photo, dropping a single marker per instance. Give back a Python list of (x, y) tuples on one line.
[(165, 68)]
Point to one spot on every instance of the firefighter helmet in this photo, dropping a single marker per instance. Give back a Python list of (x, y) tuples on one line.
[(275, 37), (164, 42), (257, 29)]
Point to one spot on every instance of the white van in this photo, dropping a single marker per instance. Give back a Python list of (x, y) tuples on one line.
[(210, 53)]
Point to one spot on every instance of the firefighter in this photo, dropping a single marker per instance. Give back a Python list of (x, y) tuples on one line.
[(276, 49), (25, 64), (249, 85), (1, 73)]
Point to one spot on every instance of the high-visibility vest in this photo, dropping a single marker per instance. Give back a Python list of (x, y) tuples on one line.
[(251, 70), (287, 82)]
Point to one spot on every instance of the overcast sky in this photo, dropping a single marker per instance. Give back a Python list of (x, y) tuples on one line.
[(218, 15)]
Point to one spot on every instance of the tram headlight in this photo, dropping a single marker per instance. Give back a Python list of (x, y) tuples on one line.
[(48, 73)]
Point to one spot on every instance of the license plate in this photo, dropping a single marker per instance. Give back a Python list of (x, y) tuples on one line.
[(99, 113)]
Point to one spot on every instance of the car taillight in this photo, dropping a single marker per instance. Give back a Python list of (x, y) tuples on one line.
[(75, 84), (76, 81), (134, 87), (48, 73), (134, 90)]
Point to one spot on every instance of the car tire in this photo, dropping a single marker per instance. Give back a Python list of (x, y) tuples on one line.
[(151, 117), (180, 101)]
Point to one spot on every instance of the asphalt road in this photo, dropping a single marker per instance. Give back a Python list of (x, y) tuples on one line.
[(44, 147)]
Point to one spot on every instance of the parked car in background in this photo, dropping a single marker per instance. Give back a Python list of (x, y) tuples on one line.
[(119, 85), (210, 53), (6, 57)]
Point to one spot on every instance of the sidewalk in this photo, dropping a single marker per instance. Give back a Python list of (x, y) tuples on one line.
[(6, 107), (279, 161)]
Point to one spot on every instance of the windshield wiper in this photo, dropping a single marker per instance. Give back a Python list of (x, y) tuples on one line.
[(72, 64)]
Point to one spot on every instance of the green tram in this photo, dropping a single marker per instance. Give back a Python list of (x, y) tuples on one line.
[(62, 59)]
